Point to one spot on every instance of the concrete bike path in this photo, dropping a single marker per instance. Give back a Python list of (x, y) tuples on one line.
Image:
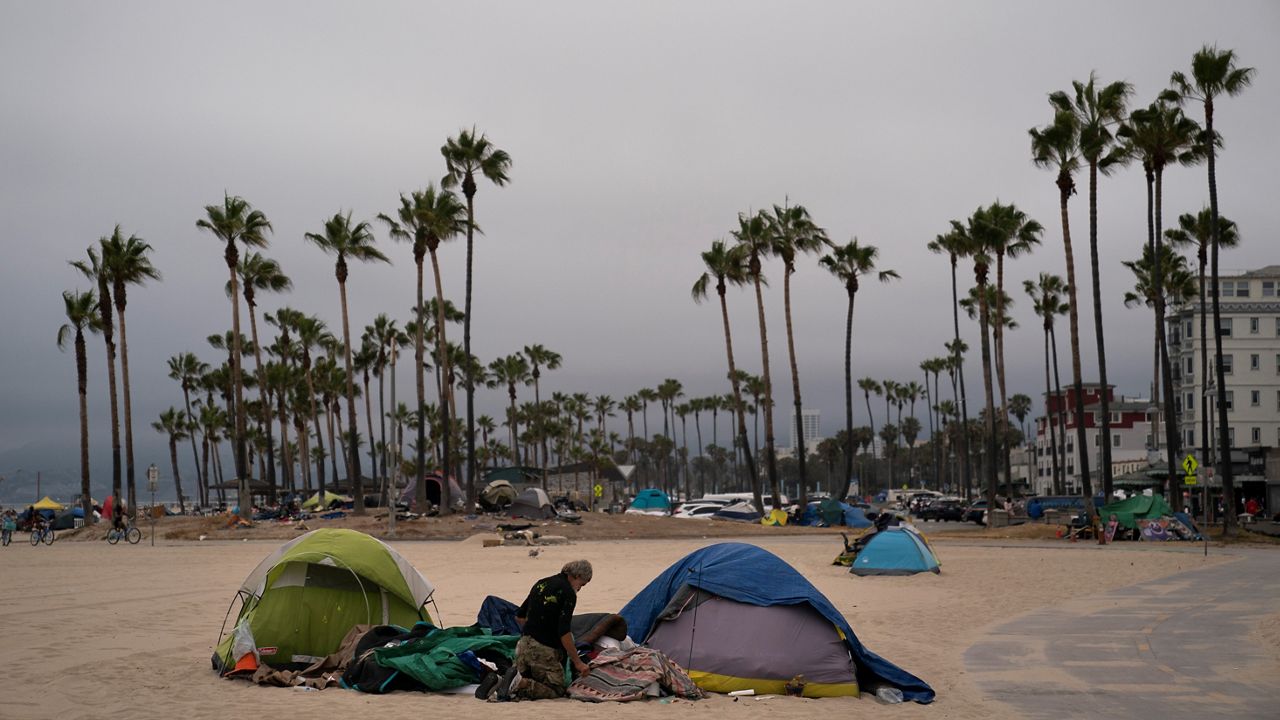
[(1203, 643)]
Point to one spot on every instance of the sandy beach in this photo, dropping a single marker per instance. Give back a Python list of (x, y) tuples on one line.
[(95, 631)]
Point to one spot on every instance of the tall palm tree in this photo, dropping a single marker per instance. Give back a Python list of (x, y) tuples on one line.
[(173, 423), (754, 237), (467, 156), (259, 273), (126, 261), (365, 361), (1009, 232), (792, 232), (978, 233), (1057, 146), (511, 371), (82, 314), (1197, 230), (94, 270), (1214, 73), (669, 390), (186, 368), (1159, 135), (1046, 296), (1097, 110), (868, 386), (849, 263), (952, 246), (235, 223), (540, 357), (345, 239), (728, 266)]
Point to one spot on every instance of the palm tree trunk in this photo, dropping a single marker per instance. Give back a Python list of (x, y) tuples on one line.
[(446, 388), (353, 453), (177, 479), (771, 458), (128, 412), (1229, 520), (513, 424), (937, 479), (1174, 489), (264, 396), (871, 418), (1003, 440), (965, 454), (848, 394), (82, 385), (702, 478), (466, 348), (237, 382), (795, 390), (382, 419), (1205, 445), (104, 300), (738, 409), (1104, 469), (368, 422), (1048, 416), (315, 420), (286, 457), (991, 460), (1062, 411), (1081, 437), (419, 373), (195, 455)]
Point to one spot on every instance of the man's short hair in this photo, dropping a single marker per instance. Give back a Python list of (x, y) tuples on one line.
[(580, 569)]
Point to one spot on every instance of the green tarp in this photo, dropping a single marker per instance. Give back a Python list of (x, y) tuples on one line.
[(433, 660), (1139, 507)]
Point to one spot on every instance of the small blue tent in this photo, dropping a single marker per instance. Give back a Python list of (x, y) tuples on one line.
[(854, 517), (896, 550), (830, 513), (756, 577), (651, 501)]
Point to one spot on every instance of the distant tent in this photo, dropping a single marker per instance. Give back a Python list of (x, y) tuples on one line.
[(302, 599), (497, 495), (739, 511), (651, 501), (48, 503), (739, 617), (898, 550), (64, 520), (855, 517), (410, 494), (830, 512), (324, 503), (1129, 512), (533, 504)]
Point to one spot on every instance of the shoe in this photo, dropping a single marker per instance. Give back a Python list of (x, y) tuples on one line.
[(487, 685), (508, 684)]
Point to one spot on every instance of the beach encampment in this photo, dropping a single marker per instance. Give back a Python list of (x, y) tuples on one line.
[(738, 617), (897, 550), (48, 503), (651, 501), (497, 495), (532, 504), (409, 496), (328, 500), (740, 511), (302, 599), (830, 512)]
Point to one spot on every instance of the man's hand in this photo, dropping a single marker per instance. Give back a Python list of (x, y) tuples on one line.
[(581, 667)]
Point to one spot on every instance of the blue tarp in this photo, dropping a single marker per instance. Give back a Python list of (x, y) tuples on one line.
[(499, 616), (850, 516), (752, 575)]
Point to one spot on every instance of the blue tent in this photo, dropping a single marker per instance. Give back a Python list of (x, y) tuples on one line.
[(754, 576), (896, 550), (854, 517), (651, 501), (830, 513)]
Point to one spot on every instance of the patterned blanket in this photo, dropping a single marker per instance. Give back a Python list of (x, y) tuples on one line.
[(621, 676)]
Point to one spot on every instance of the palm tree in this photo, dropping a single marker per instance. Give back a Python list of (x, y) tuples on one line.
[(1046, 294), (1214, 73), (174, 423), (347, 240), (82, 314), (849, 263), (791, 232), (94, 270), (236, 222), (669, 390), (1198, 230), (365, 361), (753, 236), (979, 236), (728, 266), (1097, 110), (260, 273), (1159, 135), (1008, 232), (868, 386), (467, 156), (511, 371), (186, 368), (1057, 146), (952, 246), (540, 357)]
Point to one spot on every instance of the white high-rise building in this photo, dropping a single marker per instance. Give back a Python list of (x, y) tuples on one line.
[(809, 420)]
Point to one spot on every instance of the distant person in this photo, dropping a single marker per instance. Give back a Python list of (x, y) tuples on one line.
[(1252, 507), (117, 515), (546, 639)]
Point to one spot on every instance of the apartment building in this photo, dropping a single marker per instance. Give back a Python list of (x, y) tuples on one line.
[(1130, 435)]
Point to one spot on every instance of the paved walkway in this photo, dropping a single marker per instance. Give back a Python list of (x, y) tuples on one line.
[(1186, 646)]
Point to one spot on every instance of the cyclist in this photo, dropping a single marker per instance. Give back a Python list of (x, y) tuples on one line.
[(118, 517)]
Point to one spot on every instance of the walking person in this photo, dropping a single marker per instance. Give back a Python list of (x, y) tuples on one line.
[(546, 640)]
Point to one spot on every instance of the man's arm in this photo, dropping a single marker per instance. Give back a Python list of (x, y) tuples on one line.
[(566, 641)]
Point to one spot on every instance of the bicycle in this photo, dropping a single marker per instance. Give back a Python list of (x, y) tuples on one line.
[(42, 533), (130, 533)]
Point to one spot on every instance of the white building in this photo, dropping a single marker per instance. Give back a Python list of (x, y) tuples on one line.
[(809, 419), (1250, 311), (1130, 436)]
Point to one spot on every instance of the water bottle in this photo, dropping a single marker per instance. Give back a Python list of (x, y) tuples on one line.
[(888, 695)]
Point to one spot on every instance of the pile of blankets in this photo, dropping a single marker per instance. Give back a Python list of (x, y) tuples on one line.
[(624, 675)]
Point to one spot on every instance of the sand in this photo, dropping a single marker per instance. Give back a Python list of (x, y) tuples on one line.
[(96, 631)]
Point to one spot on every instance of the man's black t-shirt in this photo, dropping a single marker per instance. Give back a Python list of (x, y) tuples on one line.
[(548, 610)]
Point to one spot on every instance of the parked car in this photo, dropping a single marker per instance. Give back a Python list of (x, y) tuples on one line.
[(977, 513), (698, 509), (947, 508)]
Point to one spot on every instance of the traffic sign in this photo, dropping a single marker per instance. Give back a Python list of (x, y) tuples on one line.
[(599, 490), (1189, 465), (1189, 480)]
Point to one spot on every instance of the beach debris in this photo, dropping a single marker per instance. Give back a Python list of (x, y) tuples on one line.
[(534, 552)]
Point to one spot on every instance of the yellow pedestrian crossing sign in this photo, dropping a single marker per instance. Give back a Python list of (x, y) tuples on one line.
[(599, 490), (1189, 465)]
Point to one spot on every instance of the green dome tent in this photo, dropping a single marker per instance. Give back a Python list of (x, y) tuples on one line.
[(302, 599)]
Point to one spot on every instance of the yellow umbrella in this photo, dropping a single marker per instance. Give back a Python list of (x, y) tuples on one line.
[(48, 503)]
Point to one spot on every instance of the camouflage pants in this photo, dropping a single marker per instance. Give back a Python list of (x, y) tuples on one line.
[(542, 668)]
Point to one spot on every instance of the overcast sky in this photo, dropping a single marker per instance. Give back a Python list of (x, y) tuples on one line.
[(638, 132)]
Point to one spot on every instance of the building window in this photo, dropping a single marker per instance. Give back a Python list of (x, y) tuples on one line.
[(1255, 436), (1191, 401), (1255, 397), (1278, 401), (1268, 288), (1191, 438), (1115, 440), (1095, 440), (1190, 363), (1231, 400), (1255, 362), (1228, 364), (1231, 437), (1226, 327), (1278, 363), (1253, 326), (1187, 331), (1226, 288), (1115, 418)]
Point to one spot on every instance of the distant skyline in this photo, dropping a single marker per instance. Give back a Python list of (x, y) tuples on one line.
[(638, 133)]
